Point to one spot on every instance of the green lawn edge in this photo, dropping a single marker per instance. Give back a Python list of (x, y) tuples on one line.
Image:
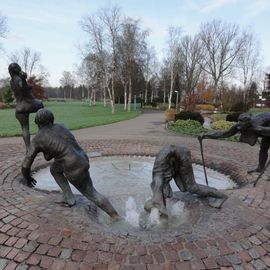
[(74, 115)]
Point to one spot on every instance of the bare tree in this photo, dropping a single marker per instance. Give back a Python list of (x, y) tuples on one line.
[(249, 60), (91, 79), (111, 19), (102, 28), (248, 64), (191, 61), (164, 78), (154, 81), (95, 52), (150, 70), (30, 61), (3, 27), (132, 46), (173, 56), (122, 72), (67, 82), (222, 44), (85, 79)]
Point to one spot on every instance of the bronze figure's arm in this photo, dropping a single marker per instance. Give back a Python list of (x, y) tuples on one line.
[(220, 134), (262, 131), (27, 163)]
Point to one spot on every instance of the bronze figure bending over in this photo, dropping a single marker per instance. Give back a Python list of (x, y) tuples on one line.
[(25, 102), (71, 164), (250, 128), (174, 162)]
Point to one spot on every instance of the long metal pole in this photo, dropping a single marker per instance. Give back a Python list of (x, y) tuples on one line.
[(176, 107), (260, 175), (205, 175)]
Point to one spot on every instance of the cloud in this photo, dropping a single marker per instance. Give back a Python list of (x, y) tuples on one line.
[(15, 38), (251, 8), (207, 6), (42, 17), (256, 8)]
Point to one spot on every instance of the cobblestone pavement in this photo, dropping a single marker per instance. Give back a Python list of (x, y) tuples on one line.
[(35, 233)]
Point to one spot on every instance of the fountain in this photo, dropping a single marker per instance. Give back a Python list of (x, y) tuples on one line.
[(125, 181), (140, 188), (132, 184)]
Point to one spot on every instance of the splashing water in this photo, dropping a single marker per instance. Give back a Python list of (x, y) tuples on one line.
[(154, 218), (177, 209), (126, 182), (132, 215)]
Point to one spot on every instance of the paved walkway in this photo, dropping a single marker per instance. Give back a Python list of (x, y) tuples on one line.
[(37, 234)]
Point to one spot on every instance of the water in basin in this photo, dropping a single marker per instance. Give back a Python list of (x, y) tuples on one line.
[(125, 181)]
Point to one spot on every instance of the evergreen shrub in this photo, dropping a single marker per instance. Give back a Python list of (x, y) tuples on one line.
[(233, 117), (185, 115), (222, 125)]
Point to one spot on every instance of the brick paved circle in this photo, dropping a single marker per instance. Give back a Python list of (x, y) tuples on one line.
[(37, 234)]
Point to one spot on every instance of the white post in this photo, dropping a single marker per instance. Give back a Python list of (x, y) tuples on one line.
[(176, 105)]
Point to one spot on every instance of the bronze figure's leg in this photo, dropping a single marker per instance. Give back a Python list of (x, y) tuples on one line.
[(167, 191), (215, 197), (57, 172), (23, 119), (263, 155), (205, 191), (187, 177), (159, 198), (85, 186), (184, 176)]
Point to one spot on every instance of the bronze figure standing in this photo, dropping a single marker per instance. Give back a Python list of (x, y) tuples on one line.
[(71, 164), (25, 102)]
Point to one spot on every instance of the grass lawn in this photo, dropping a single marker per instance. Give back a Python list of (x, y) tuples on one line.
[(259, 110), (222, 116), (73, 114)]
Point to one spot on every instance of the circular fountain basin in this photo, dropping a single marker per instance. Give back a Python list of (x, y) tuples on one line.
[(125, 181)]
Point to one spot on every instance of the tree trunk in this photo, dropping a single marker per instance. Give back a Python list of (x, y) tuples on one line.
[(113, 106), (82, 94), (129, 93), (104, 96), (145, 94), (164, 92), (91, 97), (125, 96), (111, 93), (171, 90), (113, 96), (111, 100), (88, 93)]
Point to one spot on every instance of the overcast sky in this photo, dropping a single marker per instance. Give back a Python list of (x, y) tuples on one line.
[(52, 28)]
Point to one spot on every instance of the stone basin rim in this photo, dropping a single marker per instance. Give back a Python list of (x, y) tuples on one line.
[(132, 232), (235, 177)]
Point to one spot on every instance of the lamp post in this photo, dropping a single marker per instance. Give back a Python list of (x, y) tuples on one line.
[(176, 105), (135, 105)]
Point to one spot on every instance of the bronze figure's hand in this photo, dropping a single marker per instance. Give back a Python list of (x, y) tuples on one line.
[(201, 137), (258, 128), (31, 182)]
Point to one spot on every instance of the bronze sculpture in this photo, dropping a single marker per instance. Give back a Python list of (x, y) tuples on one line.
[(25, 102), (71, 164), (250, 128), (174, 162)]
